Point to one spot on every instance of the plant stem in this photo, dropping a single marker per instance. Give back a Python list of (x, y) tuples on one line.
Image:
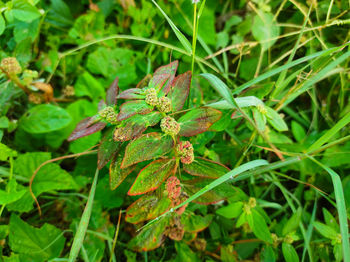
[(194, 36)]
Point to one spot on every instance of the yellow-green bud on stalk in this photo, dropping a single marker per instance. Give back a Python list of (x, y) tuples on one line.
[(261, 109), (28, 76), (185, 150), (169, 126), (105, 111), (252, 202), (10, 65), (151, 97), (164, 104), (112, 118)]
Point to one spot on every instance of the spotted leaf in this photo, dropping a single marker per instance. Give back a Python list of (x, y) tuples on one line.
[(206, 168), (117, 174), (107, 149), (179, 91), (130, 108)]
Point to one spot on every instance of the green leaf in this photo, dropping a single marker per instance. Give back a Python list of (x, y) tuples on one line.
[(268, 255), (233, 210), (44, 118), (152, 176), (258, 225), (265, 29), (107, 149), (87, 85), (330, 220), (326, 231), (147, 207), (293, 223), (25, 30), (84, 143), (289, 253), (2, 24), (193, 223), (205, 168), (24, 11), (275, 120), (11, 194), (259, 119), (198, 121), (148, 146), (116, 173), (6, 152), (298, 131), (130, 108), (27, 163), (37, 244), (4, 122), (180, 90), (184, 253), (149, 238)]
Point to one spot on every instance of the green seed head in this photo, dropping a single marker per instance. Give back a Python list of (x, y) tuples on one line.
[(11, 66), (169, 126), (164, 104), (151, 97)]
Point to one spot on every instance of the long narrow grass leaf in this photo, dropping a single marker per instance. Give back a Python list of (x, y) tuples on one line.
[(84, 222)]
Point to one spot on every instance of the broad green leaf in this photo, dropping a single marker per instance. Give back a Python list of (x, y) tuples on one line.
[(37, 244), (289, 253), (148, 146), (330, 219), (24, 30), (6, 152), (246, 101), (130, 108), (326, 231), (275, 120), (205, 168), (268, 254), (233, 210), (134, 126), (198, 121), (27, 163), (195, 223), (293, 223), (2, 24), (107, 149), (152, 176), (150, 238), (11, 194), (60, 14), (184, 253), (259, 119), (180, 90), (265, 29), (258, 225), (147, 207), (87, 85), (44, 118), (24, 11), (84, 143), (116, 173)]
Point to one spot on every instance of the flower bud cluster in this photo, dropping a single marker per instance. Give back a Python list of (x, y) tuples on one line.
[(29, 75), (109, 114), (164, 104), (262, 109), (35, 98), (68, 91), (169, 126), (173, 187), (175, 230), (11, 66), (185, 150), (151, 97)]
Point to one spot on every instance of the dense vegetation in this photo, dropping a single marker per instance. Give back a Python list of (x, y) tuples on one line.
[(174, 130)]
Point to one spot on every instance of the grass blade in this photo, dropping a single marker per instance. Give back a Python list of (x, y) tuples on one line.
[(340, 200), (84, 222), (330, 133), (183, 40)]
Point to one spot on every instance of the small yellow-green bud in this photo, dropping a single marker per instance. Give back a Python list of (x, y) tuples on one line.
[(68, 91), (112, 118), (35, 98), (151, 97), (164, 104), (169, 126), (10, 65), (247, 209), (262, 109), (105, 111), (252, 202), (288, 239)]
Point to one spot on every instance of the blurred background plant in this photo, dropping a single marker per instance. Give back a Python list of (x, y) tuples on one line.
[(287, 65)]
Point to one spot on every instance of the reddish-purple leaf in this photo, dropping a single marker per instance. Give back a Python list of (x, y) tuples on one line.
[(102, 104), (131, 108), (198, 121), (107, 149), (152, 176), (147, 207), (112, 93), (179, 91), (132, 93), (144, 82), (134, 126), (213, 196), (150, 237), (86, 127), (205, 168), (163, 77), (116, 174), (146, 147)]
